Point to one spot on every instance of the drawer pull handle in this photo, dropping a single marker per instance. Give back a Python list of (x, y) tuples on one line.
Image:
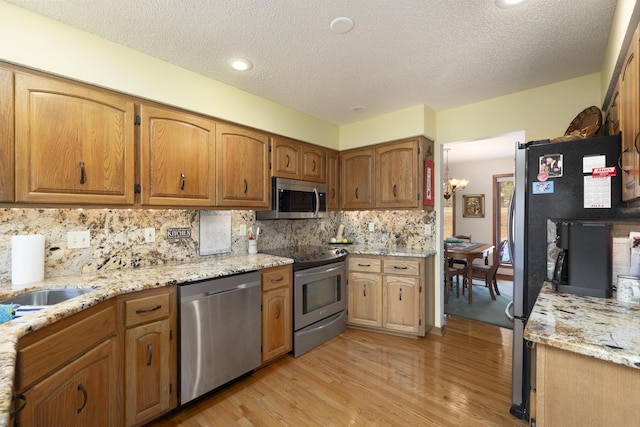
[(279, 279), (246, 186), (395, 194), (314, 166), (364, 265), (84, 396), (82, 173), (400, 267), (182, 180), (357, 193), (364, 290), (149, 310), (278, 308), (150, 350), (22, 405), (288, 161)]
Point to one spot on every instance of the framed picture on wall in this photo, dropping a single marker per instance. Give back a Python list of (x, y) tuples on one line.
[(473, 206)]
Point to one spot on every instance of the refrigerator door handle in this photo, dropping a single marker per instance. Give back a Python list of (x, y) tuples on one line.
[(511, 225), (508, 311)]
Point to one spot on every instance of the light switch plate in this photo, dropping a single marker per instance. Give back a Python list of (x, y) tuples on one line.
[(372, 226), (78, 239), (149, 235), (428, 229)]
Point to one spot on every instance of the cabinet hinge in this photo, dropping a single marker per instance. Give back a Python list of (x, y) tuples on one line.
[(170, 388), (269, 147), (137, 121), (261, 308), (137, 188), (170, 334), (269, 165), (418, 149), (418, 196), (420, 289), (420, 322)]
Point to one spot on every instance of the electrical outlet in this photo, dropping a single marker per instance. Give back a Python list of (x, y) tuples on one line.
[(78, 239), (149, 235), (428, 229), (243, 230), (372, 226)]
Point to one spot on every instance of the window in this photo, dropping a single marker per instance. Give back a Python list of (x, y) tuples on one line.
[(502, 191)]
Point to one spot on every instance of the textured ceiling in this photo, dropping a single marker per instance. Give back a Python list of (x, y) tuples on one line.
[(401, 53)]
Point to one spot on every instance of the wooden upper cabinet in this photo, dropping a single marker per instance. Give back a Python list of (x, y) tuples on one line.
[(397, 185), (356, 177), (630, 100), (313, 163), (6, 136), (242, 167), (333, 180), (286, 157), (177, 165), (74, 143)]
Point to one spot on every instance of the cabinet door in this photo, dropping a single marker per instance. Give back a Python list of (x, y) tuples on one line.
[(6, 136), (148, 368), (401, 308), (80, 394), (630, 99), (365, 299), (333, 180), (276, 323), (397, 183), (285, 158), (313, 164), (357, 179), (74, 144), (177, 158), (242, 167)]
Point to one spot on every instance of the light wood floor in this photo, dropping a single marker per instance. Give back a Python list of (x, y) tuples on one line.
[(367, 379)]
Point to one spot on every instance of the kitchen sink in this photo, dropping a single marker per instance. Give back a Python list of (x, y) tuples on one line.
[(45, 297)]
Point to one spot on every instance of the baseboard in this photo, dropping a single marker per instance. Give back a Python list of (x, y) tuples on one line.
[(437, 331)]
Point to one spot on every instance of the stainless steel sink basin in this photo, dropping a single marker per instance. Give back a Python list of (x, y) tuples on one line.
[(45, 296)]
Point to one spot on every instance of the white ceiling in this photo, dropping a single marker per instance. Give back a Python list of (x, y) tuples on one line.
[(401, 53)]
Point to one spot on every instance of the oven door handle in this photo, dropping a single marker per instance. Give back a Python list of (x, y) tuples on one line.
[(315, 273)]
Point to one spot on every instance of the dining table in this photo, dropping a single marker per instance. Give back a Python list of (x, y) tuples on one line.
[(468, 251)]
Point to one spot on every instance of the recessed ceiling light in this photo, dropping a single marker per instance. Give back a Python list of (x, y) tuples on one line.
[(240, 64), (508, 3), (341, 25)]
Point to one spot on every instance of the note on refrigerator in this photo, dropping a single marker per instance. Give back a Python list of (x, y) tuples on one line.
[(597, 192)]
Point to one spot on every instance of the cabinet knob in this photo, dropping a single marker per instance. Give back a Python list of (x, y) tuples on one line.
[(246, 186), (357, 193), (150, 350), (182, 180), (364, 290), (314, 166), (394, 190), (288, 160), (278, 314), (400, 294)]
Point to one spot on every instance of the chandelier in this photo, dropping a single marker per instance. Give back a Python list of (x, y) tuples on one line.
[(451, 185)]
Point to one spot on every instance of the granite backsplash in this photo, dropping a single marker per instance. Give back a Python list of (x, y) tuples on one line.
[(117, 235)]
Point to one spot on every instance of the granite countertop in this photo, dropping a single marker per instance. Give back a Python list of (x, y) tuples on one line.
[(388, 250), (106, 287), (603, 328)]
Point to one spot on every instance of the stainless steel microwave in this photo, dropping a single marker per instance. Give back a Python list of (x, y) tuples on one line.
[(293, 199)]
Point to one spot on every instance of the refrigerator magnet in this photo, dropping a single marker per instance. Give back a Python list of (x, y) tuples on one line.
[(551, 165), (545, 187)]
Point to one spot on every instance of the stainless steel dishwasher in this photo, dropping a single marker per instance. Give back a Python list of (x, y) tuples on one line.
[(220, 338)]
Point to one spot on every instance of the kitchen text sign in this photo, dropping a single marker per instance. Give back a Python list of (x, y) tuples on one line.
[(178, 233)]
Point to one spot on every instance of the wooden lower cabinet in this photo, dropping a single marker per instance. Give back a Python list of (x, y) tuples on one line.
[(68, 373), (392, 294), (80, 394), (150, 354), (571, 389), (276, 312)]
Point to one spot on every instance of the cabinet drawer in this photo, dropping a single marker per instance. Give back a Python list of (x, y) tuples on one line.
[(146, 309), (276, 277), (401, 266), (370, 265)]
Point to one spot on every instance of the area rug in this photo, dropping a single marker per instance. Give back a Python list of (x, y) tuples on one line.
[(483, 308)]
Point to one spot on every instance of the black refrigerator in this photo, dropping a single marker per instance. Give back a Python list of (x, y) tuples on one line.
[(552, 181)]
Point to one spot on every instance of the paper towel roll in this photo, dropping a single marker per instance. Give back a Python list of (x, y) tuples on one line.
[(27, 259)]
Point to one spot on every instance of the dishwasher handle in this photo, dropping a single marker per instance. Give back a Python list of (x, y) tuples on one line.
[(233, 289)]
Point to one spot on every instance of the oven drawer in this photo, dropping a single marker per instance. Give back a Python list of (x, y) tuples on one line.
[(401, 266), (369, 265)]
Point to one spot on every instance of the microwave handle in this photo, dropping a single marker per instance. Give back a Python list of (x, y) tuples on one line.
[(317, 209)]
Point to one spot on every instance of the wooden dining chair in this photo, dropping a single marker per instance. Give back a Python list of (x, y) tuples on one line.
[(489, 272), (449, 274), (457, 262)]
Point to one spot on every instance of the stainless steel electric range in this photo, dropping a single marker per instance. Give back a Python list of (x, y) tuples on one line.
[(319, 294)]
